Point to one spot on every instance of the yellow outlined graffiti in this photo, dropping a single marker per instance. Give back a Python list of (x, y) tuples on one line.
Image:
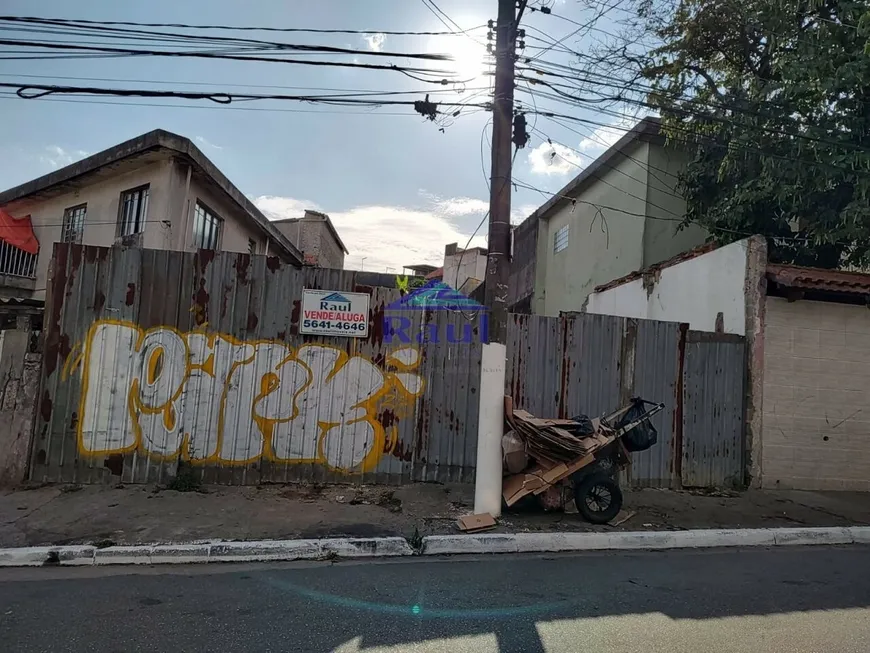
[(209, 398)]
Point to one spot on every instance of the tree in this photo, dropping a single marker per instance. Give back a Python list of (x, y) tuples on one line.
[(773, 99)]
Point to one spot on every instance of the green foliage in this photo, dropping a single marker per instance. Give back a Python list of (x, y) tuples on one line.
[(773, 98)]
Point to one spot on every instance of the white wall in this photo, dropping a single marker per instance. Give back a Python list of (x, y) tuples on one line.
[(693, 291), (460, 267)]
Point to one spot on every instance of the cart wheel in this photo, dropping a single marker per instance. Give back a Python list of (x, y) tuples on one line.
[(598, 498)]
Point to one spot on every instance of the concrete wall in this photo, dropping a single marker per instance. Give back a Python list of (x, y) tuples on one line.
[(816, 426), (599, 248), (19, 385), (312, 237), (460, 267), (661, 238), (330, 253), (101, 220), (521, 287), (694, 291)]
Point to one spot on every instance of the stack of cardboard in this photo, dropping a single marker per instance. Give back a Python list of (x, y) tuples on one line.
[(556, 453), (546, 440)]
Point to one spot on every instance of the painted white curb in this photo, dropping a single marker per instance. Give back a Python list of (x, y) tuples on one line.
[(158, 554), (382, 547), (650, 540)]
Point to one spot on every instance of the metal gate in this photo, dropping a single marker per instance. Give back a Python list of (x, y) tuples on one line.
[(714, 367)]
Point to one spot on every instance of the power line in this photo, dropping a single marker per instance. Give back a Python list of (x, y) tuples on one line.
[(687, 113), (130, 51), (241, 28), (294, 47), (545, 138), (223, 107), (42, 90), (706, 139), (195, 83), (148, 36)]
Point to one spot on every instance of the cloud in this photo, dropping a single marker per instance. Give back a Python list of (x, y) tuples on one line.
[(388, 236), (521, 212), (375, 41), (206, 143), (456, 206), (555, 159), (277, 208), (57, 157), (606, 136)]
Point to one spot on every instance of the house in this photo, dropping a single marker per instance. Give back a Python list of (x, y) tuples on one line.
[(315, 236), (157, 190), (621, 213), (807, 334), (464, 269)]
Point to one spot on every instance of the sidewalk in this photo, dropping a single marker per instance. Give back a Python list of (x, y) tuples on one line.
[(136, 514)]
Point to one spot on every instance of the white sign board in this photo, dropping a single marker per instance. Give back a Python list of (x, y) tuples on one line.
[(335, 313)]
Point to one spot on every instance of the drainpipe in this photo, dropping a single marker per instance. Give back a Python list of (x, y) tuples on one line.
[(185, 210)]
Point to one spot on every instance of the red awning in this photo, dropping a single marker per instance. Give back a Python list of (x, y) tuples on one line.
[(18, 232)]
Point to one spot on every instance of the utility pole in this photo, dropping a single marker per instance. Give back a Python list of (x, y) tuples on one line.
[(487, 483), (498, 261)]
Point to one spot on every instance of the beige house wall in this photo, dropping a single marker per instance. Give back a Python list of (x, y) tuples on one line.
[(101, 221), (816, 396)]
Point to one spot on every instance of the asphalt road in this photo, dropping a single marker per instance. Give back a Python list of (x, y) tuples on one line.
[(791, 600)]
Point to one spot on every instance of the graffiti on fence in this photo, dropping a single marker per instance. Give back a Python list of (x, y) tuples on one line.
[(209, 397)]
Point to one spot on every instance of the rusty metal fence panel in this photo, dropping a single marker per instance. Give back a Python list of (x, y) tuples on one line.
[(592, 364), (713, 406), (656, 363), (157, 362)]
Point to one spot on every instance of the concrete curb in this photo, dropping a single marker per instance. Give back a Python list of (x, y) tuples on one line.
[(384, 547), (260, 551), (650, 540)]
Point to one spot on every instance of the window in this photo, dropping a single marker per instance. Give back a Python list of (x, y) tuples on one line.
[(560, 239), (132, 211), (206, 228), (252, 246), (74, 223)]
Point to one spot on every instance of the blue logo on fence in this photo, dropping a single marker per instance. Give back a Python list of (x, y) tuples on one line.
[(435, 296)]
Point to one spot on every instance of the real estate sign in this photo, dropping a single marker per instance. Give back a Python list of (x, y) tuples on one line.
[(335, 313)]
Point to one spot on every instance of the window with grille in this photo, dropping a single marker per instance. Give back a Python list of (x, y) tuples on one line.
[(206, 228), (252, 246), (74, 223), (560, 239), (132, 211)]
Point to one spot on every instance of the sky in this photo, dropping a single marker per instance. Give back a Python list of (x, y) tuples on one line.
[(397, 188)]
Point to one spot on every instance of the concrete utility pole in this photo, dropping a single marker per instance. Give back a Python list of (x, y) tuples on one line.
[(487, 488)]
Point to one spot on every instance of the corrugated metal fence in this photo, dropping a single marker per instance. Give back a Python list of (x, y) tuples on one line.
[(592, 364), (713, 396), (157, 361)]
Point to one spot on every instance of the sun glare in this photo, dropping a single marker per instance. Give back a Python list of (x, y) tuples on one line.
[(470, 60)]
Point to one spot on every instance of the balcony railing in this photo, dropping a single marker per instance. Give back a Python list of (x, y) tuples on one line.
[(16, 262)]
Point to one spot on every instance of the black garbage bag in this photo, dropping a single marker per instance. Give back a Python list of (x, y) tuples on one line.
[(642, 436), (582, 426)]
